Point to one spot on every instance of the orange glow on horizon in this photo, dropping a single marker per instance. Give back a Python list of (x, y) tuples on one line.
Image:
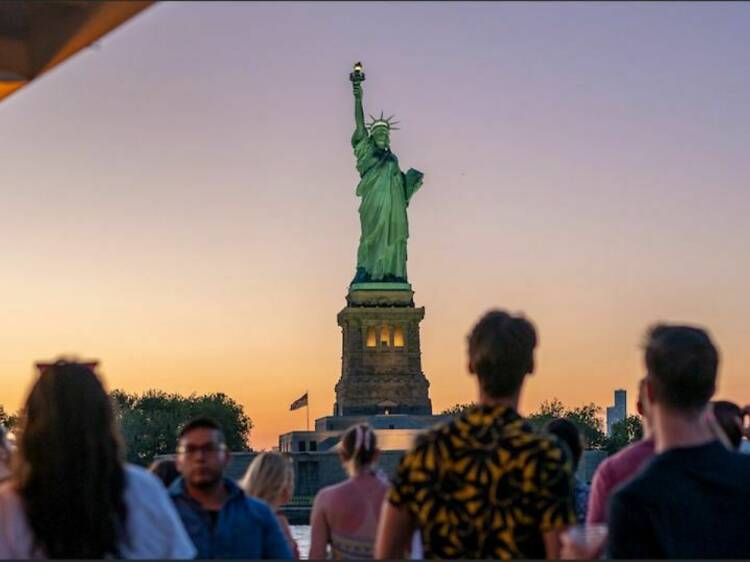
[(199, 235)]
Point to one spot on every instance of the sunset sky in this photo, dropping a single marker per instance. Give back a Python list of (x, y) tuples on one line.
[(179, 202)]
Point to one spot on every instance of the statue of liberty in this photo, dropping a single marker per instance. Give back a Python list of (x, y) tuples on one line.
[(385, 191)]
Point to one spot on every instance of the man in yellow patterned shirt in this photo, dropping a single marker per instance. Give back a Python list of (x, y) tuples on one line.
[(484, 485)]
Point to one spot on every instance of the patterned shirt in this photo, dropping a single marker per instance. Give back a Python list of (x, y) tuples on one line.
[(485, 485)]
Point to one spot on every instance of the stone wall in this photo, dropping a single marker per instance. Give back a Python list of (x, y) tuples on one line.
[(381, 363), (314, 471)]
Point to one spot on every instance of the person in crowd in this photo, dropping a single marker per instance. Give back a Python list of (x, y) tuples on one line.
[(691, 500), (485, 484), (221, 520), (621, 466), (745, 443), (728, 417), (165, 470), (270, 477), (71, 495), (345, 515), (568, 433), (5, 452)]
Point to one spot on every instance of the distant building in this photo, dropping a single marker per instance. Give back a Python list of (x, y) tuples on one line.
[(619, 411)]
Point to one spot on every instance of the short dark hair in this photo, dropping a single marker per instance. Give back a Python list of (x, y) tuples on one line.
[(568, 433), (165, 470), (682, 362), (729, 417), (200, 423), (501, 352)]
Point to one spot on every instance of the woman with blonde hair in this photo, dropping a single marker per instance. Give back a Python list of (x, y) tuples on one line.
[(270, 477), (345, 516)]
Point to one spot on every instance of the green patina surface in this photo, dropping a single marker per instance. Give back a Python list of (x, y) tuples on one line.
[(380, 286), (385, 192)]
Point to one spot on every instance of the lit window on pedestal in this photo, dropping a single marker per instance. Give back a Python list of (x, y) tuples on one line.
[(385, 337), (398, 337), (371, 338)]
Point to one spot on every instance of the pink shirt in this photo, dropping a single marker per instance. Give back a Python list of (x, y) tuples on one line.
[(615, 470)]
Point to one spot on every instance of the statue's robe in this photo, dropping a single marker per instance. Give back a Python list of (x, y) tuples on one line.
[(385, 191)]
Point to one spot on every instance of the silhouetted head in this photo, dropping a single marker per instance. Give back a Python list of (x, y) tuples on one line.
[(202, 453), (165, 470), (70, 470), (501, 352), (5, 453), (729, 417), (358, 448), (568, 433), (682, 363), (270, 477)]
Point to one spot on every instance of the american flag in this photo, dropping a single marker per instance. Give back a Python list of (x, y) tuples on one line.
[(300, 402)]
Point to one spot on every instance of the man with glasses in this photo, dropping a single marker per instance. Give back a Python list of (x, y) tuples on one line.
[(220, 519)]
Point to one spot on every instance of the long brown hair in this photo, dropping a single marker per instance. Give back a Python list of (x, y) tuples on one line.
[(69, 468)]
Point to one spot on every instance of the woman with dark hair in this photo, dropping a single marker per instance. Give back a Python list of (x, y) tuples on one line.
[(4, 455), (70, 494), (728, 417), (567, 432), (165, 470), (345, 516)]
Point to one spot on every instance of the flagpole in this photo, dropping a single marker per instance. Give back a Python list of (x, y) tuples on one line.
[(307, 409)]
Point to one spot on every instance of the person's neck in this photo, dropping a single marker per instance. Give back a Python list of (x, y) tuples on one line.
[(212, 498), (648, 429), (509, 401), (363, 471), (674, 430)]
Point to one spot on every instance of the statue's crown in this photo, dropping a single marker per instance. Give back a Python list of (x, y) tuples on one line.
[(386, 122)]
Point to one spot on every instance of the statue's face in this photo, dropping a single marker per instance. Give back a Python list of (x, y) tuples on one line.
[(381, 138)]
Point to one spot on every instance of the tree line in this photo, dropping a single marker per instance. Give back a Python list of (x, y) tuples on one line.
[(587, 419), (150, 421)]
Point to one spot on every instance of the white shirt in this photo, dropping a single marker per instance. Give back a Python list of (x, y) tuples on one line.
[(154, 528)]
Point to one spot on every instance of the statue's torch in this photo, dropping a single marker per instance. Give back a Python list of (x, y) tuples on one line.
[(357, 75)]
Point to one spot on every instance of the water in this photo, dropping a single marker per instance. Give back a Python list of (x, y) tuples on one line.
[(301, 534)]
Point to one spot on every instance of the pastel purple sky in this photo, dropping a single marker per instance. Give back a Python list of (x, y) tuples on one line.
[(179, 203)]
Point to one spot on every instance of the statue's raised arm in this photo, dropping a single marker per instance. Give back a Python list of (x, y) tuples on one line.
[(357, 77)]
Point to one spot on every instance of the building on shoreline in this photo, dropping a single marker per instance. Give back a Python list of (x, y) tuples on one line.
[(619, 411)]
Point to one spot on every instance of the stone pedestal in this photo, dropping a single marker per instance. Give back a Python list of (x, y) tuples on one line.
[(381, 367)]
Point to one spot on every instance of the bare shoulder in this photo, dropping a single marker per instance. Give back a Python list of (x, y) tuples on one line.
[(9, 497), (329, 492)]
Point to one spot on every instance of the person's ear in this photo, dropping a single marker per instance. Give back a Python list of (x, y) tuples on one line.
[(470, 367)]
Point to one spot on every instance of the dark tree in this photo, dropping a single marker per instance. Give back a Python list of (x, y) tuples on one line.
[(9, 421), (586, 419), (625, 432), (150, 422), (457, 409)]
